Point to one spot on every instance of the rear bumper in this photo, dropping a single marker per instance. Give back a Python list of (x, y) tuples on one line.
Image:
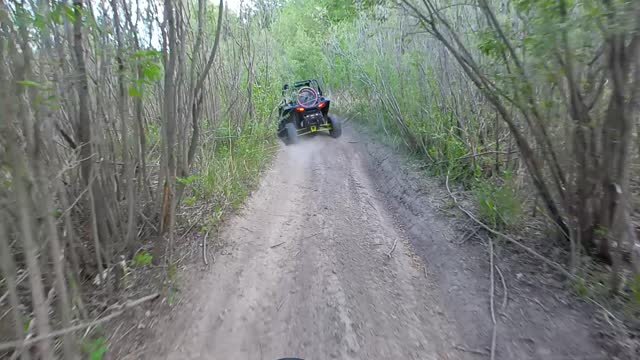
[(314, 128)]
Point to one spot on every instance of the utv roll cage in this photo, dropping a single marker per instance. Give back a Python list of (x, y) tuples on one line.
[(302, 83)]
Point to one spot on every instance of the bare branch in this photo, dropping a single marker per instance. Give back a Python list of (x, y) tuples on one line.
[(120, 309)]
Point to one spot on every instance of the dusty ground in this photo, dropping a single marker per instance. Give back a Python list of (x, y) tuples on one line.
[(540, 318), (306, 273)]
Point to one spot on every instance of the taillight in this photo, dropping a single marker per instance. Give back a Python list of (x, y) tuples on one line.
[(300, 109), (321, 105)]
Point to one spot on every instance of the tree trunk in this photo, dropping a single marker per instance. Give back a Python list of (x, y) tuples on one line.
[(169, 121), (616, 131), (198, 93), (27, 230), (582, 206), (58, 260), (129, 165), (9, 269), (139, 129), (83, 129), (22, 181)]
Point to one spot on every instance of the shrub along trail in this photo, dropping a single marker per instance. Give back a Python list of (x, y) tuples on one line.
[(316, 267)]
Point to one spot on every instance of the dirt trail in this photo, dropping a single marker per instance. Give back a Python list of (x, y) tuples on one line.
[(308, 273)]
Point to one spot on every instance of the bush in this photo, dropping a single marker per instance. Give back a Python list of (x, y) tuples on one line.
[(142, 258), (95, 349), (499, 206)]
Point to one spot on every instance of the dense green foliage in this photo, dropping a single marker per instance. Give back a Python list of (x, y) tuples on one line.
[(398, 84), (124, 126), (382, 77), (520, 88), (527, 104)]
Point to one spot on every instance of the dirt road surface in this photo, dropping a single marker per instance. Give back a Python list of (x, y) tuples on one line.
[(317, 266), (313, 272)]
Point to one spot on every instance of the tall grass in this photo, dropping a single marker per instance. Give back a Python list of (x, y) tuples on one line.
[(232, 162), (399, 92)]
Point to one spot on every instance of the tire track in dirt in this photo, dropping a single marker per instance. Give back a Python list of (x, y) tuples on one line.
[(308, 274)]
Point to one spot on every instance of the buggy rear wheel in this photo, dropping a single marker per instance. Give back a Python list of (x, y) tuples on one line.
[(292, 134), (336, 127)]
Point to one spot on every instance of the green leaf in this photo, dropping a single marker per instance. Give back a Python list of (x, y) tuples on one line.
[(580, 287), (142, 258), (189, 201), (187, 180), (172, 271), (55, 17), (98, 353), (27, 83), (95, 348), (39, 22), (147, 53), (151, 71), (25, 325), (635, 289), (134, 92), (171, 297), (69, 13)]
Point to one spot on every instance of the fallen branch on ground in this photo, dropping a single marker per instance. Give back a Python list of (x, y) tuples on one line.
[(392, 248), (280, 304), (491, 293), (469, 236), (312, 235), (491, 275), (510, 239), (606, 312), (477, 352), (276, 245), (121, 309), (490, 152), (547, 261), (204, 249), (195, 222), (540, 304), (504, 287), (147, 221), (247, 229)]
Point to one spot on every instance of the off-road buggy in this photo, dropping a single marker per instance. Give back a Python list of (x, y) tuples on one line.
[(304, 110)]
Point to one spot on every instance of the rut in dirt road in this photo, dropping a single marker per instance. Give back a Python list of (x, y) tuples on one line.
[(313, 272)]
